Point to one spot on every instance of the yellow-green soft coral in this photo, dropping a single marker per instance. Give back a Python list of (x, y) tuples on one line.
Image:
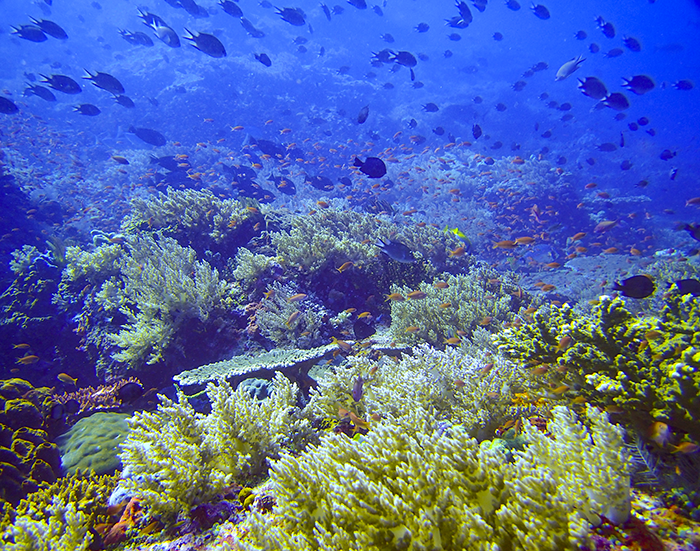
[(452, 386), (480, 298), (645, 365), (442, 490), (175, 458)]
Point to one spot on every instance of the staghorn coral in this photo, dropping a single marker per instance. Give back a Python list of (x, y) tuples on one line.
[(175, 458), (191, 216), (645, 366), (481, 298), (429, 490), (455, 388), (249, 267)]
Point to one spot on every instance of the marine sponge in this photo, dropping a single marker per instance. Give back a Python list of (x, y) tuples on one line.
[(430, 490), (175, 458)]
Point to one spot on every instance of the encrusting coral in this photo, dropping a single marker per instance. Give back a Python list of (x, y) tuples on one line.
[(175, 458), (434, 489), (646, 367)]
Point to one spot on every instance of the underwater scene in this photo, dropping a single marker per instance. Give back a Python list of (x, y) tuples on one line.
[(350, 275)]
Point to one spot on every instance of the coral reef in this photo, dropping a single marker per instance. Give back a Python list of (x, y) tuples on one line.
[(646, 367), (481, 298), (191, 216), (27, 457), (175, 458), (292, 363), (88, 400), (442, 490), (92, 443)]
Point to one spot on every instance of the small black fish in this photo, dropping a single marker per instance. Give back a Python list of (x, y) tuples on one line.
[(512, 5), (362, 330), (30, 32), (639, 84), (326, 11), (7, 106), (50, 28), (607, 28), (206, 43), (41, 91), (632, 43), (667, 154), (138, 38), (617, 101), (639, 286), (293, 16), (387, 38), (62, 83), (501, 107), (688, 287), (642, 121), (431, 108), (439, 130), (540, 11), (593, 48), (149, 136), (625, 165), (519, 86), (684, 84), (359, 4), (396, 251), (422, 28), (87, 109), (693, 230), (593, 88), (615, 52), (373, 167), (106, 82), (581, 35), (124, 101), (363, 114), (607, 146), (407, 59), (264, 59), (497, 36), (130, 391), (476, 131), (232, 8)]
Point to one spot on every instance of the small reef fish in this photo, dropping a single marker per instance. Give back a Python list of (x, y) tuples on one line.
[(297, 298), (417, 295), (67, 379), (345, 346), (452, 341), (639, 286), (26, 360), (357, 388), (659, 433), (685, 447), (396, 297), (441, 285), (292, 318), (22, 346), (345, 266)]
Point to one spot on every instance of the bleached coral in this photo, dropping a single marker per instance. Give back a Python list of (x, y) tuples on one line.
[(431, 490), (175, 458)]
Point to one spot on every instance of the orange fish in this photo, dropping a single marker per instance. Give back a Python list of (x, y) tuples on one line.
[(552, 265), (412, 329), (292, 318), (659, 433), (364, 315), (322, 204), (452, 341), (564, 342), (507, 244), (459, 251), (548, 287), (345, 266), (445, 305), (416, 295), (253, 210), (346, 346), (296, 298), (26, 360), (605, 225), (525, 240), (685, 447), (580, 235), (22, 346), (611, 250), (441, 285), (395, 296)]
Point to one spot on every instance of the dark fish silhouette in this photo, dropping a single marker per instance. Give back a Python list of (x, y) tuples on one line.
[(106, 82), (231, 8), (373, 167), (363, 114), (512, 5), (359, 4), (540, 11), (632, 43), (396, 251), (30, 32), (607, 28), (593, 88), (138, 38), (206, 43), (617, 101), (50, 28), (293, 16), (476, 131), (684, 84), (62, 83), (124, 101), (362, 330), (149, 136), (639, 286), (7, 106), (41, 91), (639, 84), (87, 109), (688, 287), (264, 59), (431, 108)]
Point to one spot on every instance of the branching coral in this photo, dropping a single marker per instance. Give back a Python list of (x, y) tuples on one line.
[(645, 366), (290, 322), (431, 490), (188, 215), (176, 458), (469, 301)]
